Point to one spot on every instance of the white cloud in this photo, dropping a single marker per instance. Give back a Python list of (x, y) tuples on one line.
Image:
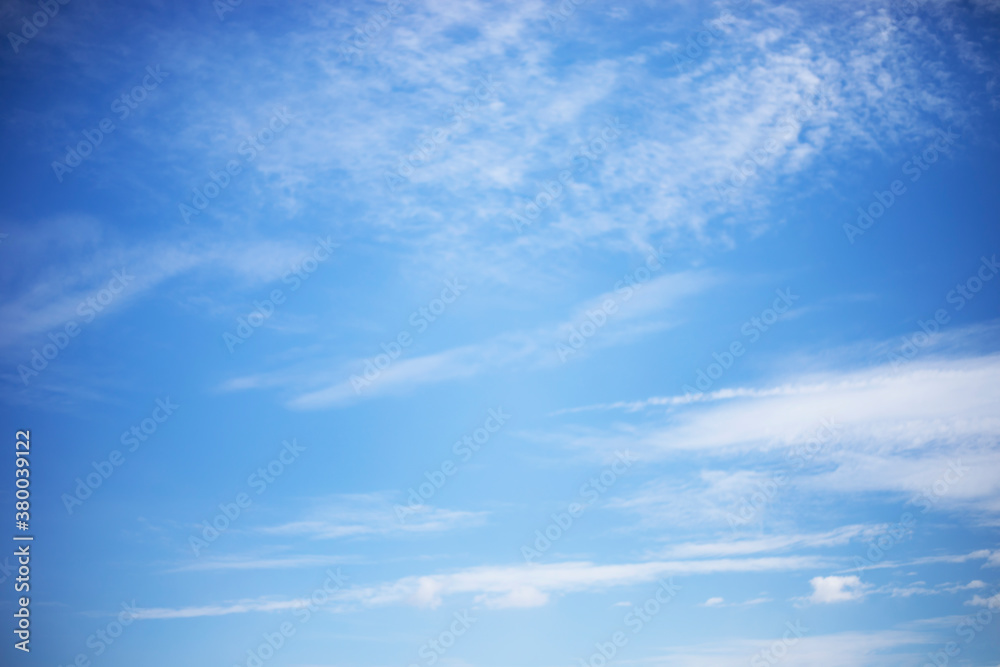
[(836, 589), (992, 601), (656, 181), (531, 584), (924, 401), (517, 586), (926, 431)]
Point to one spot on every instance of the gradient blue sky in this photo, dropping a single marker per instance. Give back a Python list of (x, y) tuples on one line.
[(617, 263)]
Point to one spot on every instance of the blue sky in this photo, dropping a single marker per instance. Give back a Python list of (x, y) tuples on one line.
[(492, 334)]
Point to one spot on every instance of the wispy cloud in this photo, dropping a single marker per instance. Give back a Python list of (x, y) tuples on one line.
[(263, 563), (644, 311), (899, 430), (532, 585), (721, 602), (767, 544), (525, 585), (658, 181), (76, 288), (885, 648), (368, 515), (225, 609)]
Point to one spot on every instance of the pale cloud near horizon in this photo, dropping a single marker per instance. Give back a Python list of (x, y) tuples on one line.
[(883, 648)]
